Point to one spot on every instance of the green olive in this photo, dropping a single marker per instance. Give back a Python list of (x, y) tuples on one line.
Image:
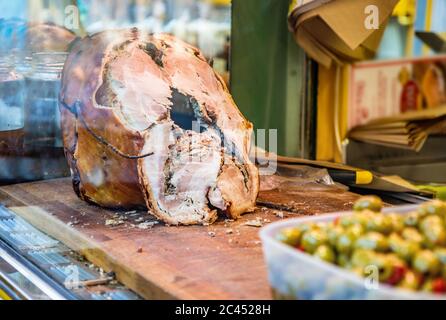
[(394, 238), (430, 221), (441, 254), (412, 234), (350, 220), (395, 260), (322, 226), (313, 239), (385, 266), (290, 236), (412, 219), (365, 259), (380, 223), (441, 194), (304, 227), (346, 221), (372, 203), (325, 253), (434, 231), (362, 258), (405, 249), (343, 260), (426, 262), (397, 221), (436, 236), (427, 285), (435, 207), (333, 234), (345, 242), (372, 241), (410, 281), (355, 231)]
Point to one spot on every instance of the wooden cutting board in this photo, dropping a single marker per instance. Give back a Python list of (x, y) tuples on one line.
[(221, 261)]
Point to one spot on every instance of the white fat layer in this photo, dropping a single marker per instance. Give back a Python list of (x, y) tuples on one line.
[(140, 88), (216, 199), (157, 141), (195, 163)]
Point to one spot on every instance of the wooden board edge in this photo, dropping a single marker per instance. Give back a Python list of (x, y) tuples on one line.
[(91, 250)]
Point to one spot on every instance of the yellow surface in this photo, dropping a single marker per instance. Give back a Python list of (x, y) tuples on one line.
[(4, 296), (364, 177), (428, 25), (293, 5), (220, 2), (325, 125), (405, 11), (329, 148)]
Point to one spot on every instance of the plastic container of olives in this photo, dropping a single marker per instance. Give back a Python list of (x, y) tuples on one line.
[(297, 275)]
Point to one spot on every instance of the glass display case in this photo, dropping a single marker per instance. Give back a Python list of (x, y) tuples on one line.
[(36, 38)]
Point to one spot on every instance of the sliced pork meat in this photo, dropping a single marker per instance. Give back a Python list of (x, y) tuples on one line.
[(147, 122)]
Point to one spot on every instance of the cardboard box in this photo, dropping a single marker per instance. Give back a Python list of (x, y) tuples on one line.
[(388, 88)]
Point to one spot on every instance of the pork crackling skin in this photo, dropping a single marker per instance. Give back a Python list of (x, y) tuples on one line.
[(124, 98)]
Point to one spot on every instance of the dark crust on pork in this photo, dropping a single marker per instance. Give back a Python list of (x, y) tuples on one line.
[(81, 78)]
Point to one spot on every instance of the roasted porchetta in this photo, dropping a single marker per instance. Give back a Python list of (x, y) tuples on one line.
[(147, 122)]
